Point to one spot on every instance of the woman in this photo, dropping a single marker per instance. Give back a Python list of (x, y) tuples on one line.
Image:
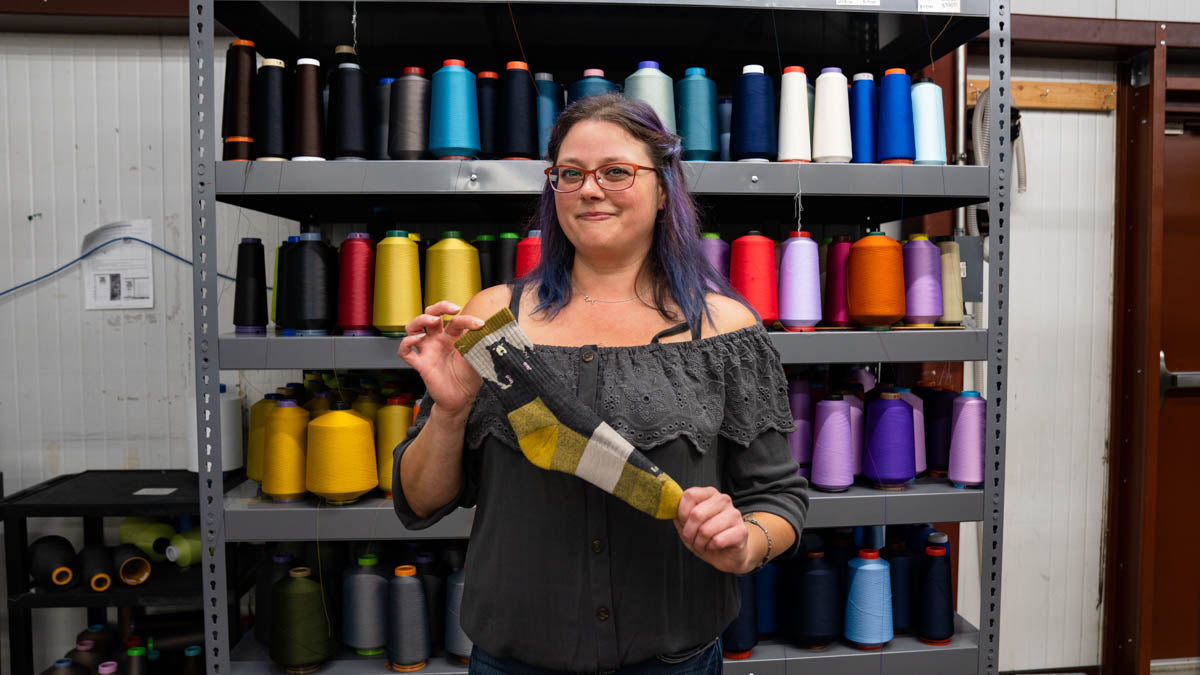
[(641, 330)]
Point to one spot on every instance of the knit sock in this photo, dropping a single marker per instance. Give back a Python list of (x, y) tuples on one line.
[(556, 431)]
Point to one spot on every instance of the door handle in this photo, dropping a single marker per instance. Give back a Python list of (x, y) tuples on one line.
[(1171, 381)]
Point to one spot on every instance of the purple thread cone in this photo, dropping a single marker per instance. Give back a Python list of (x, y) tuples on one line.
[(837, 311), (800, 284), (967, 439), (832, 466), (800, 440), (863, 377), (918, 406), (922, 282), (889, 458), (856, 431), (716, 252)]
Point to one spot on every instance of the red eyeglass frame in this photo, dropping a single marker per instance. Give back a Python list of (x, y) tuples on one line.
[(595, 176)]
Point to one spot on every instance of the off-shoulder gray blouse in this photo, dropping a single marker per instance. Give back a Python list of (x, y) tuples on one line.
[(563, 576)]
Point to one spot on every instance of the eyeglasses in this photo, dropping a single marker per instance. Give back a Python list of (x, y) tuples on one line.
[(611, 177)]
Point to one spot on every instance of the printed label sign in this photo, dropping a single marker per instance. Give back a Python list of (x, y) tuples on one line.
[(940, 6)]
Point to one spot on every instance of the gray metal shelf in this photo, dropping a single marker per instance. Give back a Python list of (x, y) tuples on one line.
[(238, 352), (347, 191), (248, 517), (904, 654), (858, 36), (976, 8)]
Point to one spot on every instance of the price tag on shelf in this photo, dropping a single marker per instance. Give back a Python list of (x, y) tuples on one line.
[(154, 492), (857, 3), (939, 6)]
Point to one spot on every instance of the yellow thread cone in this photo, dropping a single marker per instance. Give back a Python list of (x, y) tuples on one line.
[(319, 405), (341, 457), (397, 283), (256, 438), (451, 270), (366, 406), (143, 532), (391, 425), (285, 452)]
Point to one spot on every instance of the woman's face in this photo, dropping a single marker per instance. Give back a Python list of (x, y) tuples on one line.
[(598, 222)]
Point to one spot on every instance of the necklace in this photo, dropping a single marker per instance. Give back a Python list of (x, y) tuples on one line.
[(592, 301)]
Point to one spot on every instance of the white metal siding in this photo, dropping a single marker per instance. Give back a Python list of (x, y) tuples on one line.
[(93, 130), (1058, 379), (1148, 10)]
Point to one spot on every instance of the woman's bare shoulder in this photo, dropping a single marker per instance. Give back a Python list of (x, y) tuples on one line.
[(488, 301), (728, 315)]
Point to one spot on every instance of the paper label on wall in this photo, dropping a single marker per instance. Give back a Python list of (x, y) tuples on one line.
[(857, 3), (120, 275), (940, 6), (962, 269), (154, 492)]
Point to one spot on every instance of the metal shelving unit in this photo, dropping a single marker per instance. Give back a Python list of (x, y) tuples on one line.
[(239, 352), (867, 35)]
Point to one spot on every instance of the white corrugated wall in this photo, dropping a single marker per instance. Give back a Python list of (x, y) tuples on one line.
[(1147, 10), (93, 130), (1060, 317)]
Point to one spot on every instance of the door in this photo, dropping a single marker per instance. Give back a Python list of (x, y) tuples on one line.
[(1176, 607)]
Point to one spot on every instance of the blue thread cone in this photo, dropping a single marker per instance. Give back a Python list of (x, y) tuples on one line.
[(929, 123), (741, 635), (454, 112), (903, 574), (897, 144), (549, 102), (869, 601), (754, 126), (766, 588), (592, 84), (864, 115), (696, 98), (889, 457)]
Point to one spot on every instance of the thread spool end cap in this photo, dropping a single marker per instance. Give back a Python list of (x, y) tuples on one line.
[(593, 72), (753, 69), (454, 62), (694, 72), (793, 69), (516, 65), (489, 75), (647, 64), (413, 70)]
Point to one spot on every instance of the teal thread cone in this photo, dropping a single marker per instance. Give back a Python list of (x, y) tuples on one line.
[(453, 112), (592, 84), (696, 96)]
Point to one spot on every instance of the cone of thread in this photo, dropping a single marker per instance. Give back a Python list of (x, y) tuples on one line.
[(896, 142), (952, 293), (918, 407), (591, 84), (869, 601), (864, 116), (341, 457), (889, 459), (347, 131), (308, 128), (95, 568), (356, 284), (922, 282), (831, 118), (364, 607), (800, 284), (53, 562), (800, 440), (408, 621), (653, 87), (312, 277), (146, 534), (250, 288), (875, 281), (452, 271), (696, 96), (397, 283), (967, 439), (929, 123), (184, 549), (285, 452), (517, 120), (794, 142), (754, 125), (529, 253), (752, 273), (836, 312), (300, 633), (549, 104), (832, 465), (857, 418), (270, 112), (453, 112), (408, 128), (391, 425)]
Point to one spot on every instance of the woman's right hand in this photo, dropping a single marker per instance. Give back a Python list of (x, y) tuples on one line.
[(429, 349)]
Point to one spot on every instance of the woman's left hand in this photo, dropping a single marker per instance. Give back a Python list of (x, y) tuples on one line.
[(712, 528)]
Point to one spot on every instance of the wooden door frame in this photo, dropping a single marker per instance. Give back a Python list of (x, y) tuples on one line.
[(1140, 48)]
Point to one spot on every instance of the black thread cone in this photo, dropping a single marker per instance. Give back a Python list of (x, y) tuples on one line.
[(487, 93), (347, 122), (270, 111), (312, 281), (516, 124), (250, 286), (53, 563), (95, 567)]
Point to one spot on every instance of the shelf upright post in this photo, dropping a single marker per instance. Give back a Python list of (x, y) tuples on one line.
[(999, 216), (205, 329)]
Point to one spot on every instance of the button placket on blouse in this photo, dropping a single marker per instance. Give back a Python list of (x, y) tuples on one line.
[(600, 567)]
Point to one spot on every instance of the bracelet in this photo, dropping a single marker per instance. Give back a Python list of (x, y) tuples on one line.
[(766, 556)]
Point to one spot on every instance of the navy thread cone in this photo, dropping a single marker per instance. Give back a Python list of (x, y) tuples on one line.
[(754, 126)]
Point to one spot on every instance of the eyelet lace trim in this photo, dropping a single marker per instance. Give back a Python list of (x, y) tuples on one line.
[(730, 386)]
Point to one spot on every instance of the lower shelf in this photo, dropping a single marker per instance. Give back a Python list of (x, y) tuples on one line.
[(168, 585), (248, 517), (904, 654)]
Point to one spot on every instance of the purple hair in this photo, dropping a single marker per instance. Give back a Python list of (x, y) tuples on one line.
[(674, 272)]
